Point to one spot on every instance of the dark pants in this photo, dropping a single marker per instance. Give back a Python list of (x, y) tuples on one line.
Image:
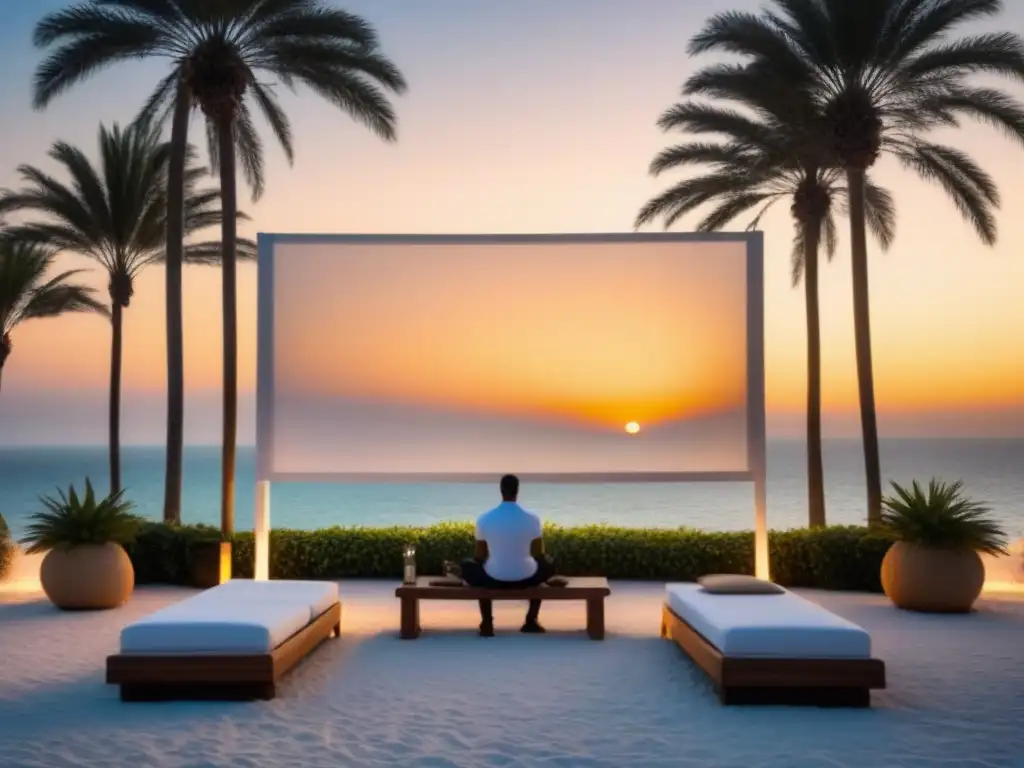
[(473, 573)]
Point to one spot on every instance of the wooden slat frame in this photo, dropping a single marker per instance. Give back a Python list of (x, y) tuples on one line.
[(822, 682), (218, 676), (592, 589)]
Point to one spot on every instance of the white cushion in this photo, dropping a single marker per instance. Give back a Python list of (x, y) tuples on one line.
[(207, 626), (317, 595), (768, 626), (239, 616)]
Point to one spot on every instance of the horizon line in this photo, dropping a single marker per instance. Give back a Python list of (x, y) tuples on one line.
[(771, 439)]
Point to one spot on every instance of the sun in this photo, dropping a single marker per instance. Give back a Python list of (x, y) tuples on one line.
[(632, 428)]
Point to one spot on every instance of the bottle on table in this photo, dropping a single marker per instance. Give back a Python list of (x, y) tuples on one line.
[(409, 565)]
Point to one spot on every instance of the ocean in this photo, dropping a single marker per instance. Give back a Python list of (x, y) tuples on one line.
[(992, 471)]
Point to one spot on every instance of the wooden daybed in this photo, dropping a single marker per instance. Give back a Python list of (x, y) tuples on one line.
[(231, 642), (592, 589), (772, 648)]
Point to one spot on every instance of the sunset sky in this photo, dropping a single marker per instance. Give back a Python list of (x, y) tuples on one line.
[(414, 350), (598, 334), (526, 117)]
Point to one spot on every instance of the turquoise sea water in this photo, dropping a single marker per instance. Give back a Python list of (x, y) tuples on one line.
[(992, 470)]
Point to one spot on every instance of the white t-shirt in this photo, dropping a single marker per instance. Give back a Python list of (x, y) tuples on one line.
[(508, 530)]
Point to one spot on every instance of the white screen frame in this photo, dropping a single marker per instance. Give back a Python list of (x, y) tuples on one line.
[(756, 433)]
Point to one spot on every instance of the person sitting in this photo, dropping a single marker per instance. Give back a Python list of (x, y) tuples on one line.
[(509, 555)]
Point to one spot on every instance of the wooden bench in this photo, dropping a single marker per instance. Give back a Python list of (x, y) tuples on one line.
[(592, 589)]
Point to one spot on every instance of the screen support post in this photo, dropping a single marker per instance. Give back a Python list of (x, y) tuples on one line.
[(757, 448), (261, 531)]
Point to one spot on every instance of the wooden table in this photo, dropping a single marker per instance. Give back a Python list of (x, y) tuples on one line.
[(592, 589)]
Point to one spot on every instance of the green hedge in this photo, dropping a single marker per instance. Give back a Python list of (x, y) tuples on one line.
[(841, 558)]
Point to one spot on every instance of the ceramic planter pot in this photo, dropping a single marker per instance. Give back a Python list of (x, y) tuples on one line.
[(87, 577), (919, 578)]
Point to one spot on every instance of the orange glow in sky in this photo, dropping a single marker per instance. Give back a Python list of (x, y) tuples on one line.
[(559, 140), (606, 333)]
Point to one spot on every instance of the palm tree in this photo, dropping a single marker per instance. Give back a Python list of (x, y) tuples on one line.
[(116, 215), (217, 50), (771, 153), (27, 292), (885, 73)]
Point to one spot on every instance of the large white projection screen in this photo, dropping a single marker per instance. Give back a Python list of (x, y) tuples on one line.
[(443, 359), (559, 358)]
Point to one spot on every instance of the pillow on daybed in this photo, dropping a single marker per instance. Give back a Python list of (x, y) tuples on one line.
[(737, 584)]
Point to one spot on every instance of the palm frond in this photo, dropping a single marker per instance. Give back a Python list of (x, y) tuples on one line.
[(702, 153), (68, 520), (99, 38), (55, 299), (749, 34), (27, 293), (998, 53), (360, 98), (730, 208), (333, 52), (971, 189), (912, 26), (830, 235), (941, 516), (690, 194), (276, 117), (987, 105), (249, 150), (311, 23), (113, 211), (208, 253), (880, 211)]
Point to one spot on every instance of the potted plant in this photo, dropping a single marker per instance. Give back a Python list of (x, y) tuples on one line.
[(86, 566), (934, 564), (8, 549)]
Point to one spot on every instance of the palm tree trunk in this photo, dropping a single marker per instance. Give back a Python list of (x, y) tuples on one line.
[(862, 334), (116, 323), (815, 468), (229, 204), (175, 334), (5, 352)]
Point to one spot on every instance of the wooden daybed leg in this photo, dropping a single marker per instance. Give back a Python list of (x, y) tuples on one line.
[(410, 618), (267, 691), (132, 692), (595, 618)]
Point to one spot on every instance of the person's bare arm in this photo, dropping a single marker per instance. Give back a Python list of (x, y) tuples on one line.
[(480, 552)]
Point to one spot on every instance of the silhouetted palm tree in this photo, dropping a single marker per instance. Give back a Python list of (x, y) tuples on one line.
[(884, 73), (217, 50), (767, 154), (28, 290), (116, 214)]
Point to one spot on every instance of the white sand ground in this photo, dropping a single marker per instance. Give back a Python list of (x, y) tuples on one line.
[(955, 696)]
